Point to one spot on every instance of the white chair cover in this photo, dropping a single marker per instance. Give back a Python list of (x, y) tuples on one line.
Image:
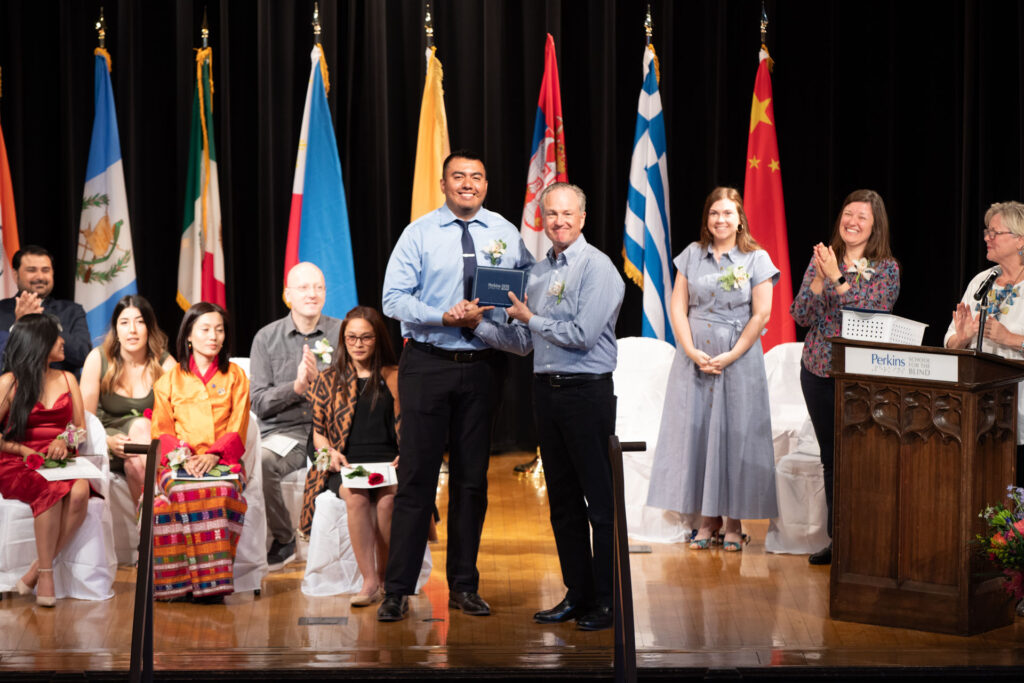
[(251, 555), (331, 564), (125, 520), (86, 567), (788, 412), (640, 380), (292, 486)]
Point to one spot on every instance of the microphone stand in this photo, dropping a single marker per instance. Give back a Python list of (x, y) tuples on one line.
[(981, 296)]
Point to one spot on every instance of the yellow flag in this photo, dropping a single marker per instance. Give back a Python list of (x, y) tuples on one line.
[(431, 144)]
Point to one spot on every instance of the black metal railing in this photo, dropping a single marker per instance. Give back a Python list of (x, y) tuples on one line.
[(141, 668)]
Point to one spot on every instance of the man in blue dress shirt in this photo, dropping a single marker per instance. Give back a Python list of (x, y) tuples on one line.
[(449, 382), (574, 296)]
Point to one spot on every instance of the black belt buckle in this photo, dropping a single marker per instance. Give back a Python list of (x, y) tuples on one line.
[(463, 356)]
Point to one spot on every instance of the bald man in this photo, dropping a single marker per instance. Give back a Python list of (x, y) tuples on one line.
[(282, 364)]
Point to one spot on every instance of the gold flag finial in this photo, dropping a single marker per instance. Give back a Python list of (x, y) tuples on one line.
[(205, 30), (316, 23), (648, 25), (428, 26), (764, 24), (101, 29)]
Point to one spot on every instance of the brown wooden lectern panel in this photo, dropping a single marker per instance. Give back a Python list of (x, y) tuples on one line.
[(925, 439)]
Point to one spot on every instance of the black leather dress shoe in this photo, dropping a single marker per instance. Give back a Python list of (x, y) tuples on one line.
[(470, 603), (823, 556), (394, 607), (596, 619), (563, 611)]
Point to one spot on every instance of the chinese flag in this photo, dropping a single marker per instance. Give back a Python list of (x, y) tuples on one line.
[(762, 201)]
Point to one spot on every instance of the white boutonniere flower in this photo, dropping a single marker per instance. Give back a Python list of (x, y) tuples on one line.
[(733, 278), (322, 349), (179, 455), (495, 249), (862, 267), (557, 289), (322, 460)]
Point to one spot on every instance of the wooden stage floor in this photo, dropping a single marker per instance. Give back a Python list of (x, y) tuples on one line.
[(707, 612)]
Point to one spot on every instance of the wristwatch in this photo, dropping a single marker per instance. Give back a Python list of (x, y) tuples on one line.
[(841, 281)]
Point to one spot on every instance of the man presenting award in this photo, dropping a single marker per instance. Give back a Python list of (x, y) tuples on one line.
[(448, 380), (568, 319)]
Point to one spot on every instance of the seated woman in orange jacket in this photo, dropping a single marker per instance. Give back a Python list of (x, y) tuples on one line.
[(200, 415)]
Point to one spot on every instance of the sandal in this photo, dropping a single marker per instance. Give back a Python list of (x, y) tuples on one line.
[(736, 546), (46, 600), (703, 543)]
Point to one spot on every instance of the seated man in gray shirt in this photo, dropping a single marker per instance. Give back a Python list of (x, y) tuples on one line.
[(286, 356)]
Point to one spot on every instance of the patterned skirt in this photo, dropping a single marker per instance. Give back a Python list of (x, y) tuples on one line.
[(196, 526)]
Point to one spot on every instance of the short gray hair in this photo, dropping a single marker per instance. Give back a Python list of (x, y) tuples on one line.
[(1012, 213), (580, 194)]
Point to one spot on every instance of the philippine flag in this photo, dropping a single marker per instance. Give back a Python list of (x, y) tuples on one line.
[(318, 225), (105, 268)]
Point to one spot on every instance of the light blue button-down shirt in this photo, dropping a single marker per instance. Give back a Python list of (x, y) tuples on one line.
[(424, 275), (575, 298)]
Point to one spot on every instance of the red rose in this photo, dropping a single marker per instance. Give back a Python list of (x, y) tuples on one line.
[(148, 413), (236, 468), (34, 461), (376, 478)]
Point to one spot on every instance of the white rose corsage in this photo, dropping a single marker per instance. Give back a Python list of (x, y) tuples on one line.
[(495, 249), (733, 278), (862, 267), (179, 455), (322, 349), (322, 459), (557, 289), (73, 437)]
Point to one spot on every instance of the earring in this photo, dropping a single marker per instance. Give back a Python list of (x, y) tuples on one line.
[(189, 345)]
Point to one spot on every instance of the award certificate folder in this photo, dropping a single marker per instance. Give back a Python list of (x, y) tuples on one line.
[(492, 285)]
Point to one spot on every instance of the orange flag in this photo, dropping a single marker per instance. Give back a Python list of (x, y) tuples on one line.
[(762, 201)]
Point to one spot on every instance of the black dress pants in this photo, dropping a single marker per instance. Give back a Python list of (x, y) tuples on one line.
[(442, 400), (820, 397), (573, 426)]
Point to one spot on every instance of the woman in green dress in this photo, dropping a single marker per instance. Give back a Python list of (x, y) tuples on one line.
[(117, 383)]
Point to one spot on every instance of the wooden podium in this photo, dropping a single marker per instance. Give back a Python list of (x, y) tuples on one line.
[(925, 439)]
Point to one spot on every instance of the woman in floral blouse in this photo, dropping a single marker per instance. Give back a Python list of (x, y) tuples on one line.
[(855, 270), (1004, 327)]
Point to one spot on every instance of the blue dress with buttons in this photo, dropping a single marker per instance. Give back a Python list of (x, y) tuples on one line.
[(714, 453)]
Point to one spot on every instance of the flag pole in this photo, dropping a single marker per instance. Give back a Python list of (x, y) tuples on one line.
[(205, 32), (764, 37), (101, 29), (648, 25), (428, 26), (316, 23)]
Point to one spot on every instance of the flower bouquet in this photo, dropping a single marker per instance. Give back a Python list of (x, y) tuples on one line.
[(176, 460), (1003, 542)]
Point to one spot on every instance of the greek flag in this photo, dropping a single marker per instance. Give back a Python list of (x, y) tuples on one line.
[(647, 243), (105, 268)]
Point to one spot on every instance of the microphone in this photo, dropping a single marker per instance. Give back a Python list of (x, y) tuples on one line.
[(987, 284)]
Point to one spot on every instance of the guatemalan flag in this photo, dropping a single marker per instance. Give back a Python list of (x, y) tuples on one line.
[(201, 259), (547, 161), (647, 243), (318, 225), (105, 269)]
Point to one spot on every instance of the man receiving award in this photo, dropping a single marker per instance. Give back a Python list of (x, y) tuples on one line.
[(568, 319)]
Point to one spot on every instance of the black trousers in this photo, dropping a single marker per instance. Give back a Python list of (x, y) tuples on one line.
[(820, 397), (573, 426), (442, 400)]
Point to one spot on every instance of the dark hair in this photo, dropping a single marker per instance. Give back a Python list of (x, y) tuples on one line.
[(28, 347), (462, 154), (877, 248), (29, 250), (744, 240), (383, 352), (156, 344), (189, 321)]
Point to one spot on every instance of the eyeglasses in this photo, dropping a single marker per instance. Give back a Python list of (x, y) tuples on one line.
[(990, 234), (352, 339)]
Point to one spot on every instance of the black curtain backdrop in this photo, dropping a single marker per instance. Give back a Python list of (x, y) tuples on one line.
[(922, 102)]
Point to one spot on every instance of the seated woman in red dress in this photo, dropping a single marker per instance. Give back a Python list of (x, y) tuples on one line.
[(37, 403), (200, 415)]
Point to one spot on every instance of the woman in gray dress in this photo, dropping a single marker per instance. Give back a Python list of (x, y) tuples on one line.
[(714, 452)]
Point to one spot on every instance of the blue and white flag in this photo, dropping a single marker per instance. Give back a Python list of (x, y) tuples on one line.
[(647, 243), (106, 265)]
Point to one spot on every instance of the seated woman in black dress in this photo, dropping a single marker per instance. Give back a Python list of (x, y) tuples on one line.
[(355, 416)]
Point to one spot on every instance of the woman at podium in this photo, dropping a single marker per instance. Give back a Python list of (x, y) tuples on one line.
[(856, 269), (715, 454), (1004, 324)]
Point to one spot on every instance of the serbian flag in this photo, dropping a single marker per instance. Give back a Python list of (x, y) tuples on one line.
[(547, 162), (105, 269), (8, 224), (762, 202), (318, 225), (201, 260), (432, 146)]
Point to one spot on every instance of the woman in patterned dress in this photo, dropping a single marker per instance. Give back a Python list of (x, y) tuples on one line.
[(1004, 326), (714, 455), (855, 270)]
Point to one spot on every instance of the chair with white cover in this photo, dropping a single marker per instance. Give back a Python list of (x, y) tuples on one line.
[(801, 527), (292, 486), (331, 567), (640, 379), (251, 554), (86, 567)]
